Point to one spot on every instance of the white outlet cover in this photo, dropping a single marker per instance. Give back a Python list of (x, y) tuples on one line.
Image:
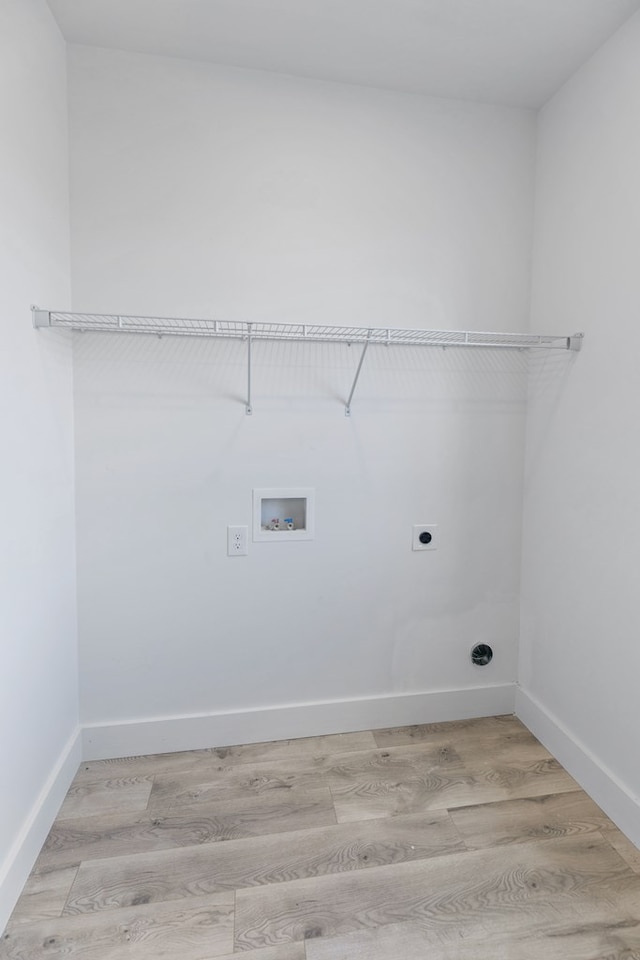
[(419, 528), (237, 541)]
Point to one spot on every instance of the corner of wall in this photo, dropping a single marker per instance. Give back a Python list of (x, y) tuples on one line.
[(615, 798), (30, 839)]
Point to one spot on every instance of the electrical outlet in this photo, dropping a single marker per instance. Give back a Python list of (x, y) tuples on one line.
[(425, 536), (237, 541)]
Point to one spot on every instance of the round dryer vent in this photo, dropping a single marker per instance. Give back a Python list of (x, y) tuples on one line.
[(481, 655)]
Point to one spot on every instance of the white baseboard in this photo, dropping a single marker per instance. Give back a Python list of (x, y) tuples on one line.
[(169, 734), (615, 798), (17, 865)]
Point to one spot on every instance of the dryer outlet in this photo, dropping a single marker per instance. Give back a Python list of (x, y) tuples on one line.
[(425, 536)]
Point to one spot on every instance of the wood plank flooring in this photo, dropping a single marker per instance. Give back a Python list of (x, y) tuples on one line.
[(452, 841)]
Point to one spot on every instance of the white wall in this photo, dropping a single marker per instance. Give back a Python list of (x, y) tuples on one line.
[(580, 663), (38, 680), (206, 191)]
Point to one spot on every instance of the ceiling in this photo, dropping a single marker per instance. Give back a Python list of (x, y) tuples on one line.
[(516, 52)]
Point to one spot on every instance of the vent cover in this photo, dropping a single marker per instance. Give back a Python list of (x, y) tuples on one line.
[(481, 655)]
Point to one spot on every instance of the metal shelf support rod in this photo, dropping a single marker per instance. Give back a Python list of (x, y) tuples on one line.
[(347, 409), (249, 410)]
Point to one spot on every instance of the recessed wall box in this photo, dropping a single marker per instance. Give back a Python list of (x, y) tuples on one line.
[(283, 513)]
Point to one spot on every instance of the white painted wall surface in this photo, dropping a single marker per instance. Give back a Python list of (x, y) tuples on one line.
[(38, 680), (580, 656), (202, 191)]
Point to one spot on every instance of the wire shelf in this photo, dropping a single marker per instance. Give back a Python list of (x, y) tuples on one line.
[(240, 330), (300, 333)]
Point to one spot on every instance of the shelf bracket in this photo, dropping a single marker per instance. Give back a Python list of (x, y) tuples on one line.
[(248, 408), (347, 409), (41, 318)]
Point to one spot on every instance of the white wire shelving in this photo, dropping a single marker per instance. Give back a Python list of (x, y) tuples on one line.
[(301, 333)]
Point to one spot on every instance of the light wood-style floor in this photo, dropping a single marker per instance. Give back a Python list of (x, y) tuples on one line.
[(458, 841)]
